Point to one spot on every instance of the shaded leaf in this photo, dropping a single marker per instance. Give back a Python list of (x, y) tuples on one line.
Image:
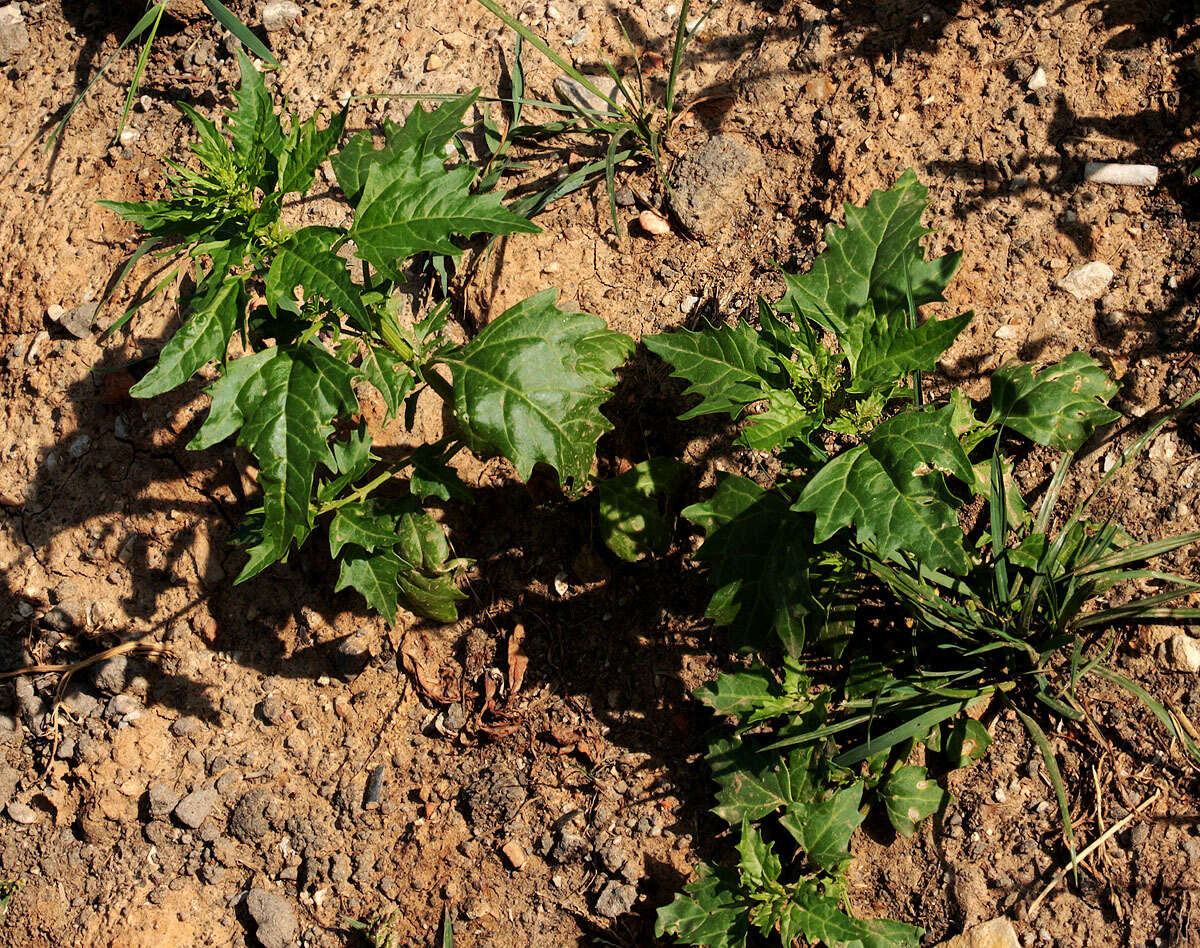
[(882, 350), (824, 829), (754, 784), (306, 259), (758, 551), (632, 524)]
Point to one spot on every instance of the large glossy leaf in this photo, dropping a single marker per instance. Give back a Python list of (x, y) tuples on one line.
[(824, 828), (531, 384), (281, 403), (424, 135), (758, 552), (410, 202), (1059, 405), (877, 257), (374, 575), (820, 920), (724, 365), (203, 337), (632, 523), (892, 489)]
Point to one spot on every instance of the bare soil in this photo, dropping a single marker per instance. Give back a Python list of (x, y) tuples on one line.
[(113, 535)]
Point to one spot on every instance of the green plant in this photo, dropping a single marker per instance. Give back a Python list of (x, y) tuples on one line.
[(888, 499), (148, 26), (629, 113), (9, 888), (295, 329)]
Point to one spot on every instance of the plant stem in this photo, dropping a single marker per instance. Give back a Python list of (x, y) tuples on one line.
[(448, 447)]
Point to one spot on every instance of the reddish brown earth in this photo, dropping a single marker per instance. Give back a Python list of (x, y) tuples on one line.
[(112, 535)]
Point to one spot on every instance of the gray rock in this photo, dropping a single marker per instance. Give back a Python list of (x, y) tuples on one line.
[(66, 749), (339, 868), (162, 800), (249, 821), (583, 100), (81, 703), (78, 321), (280, 15), (123, 706), (111, 675), (274, 918), (9, 778), (568, 847), (616, 898), (65, 616), (709, 185), (272, 708), (13, 35), (192, 809), (20, 813), (1087, 282), (182, 727)]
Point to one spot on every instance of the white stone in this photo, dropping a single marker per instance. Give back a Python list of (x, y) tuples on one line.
[(1182, 653), (1037, 80), (997, 933), (280, 15), (1134, 176), (1087, 282), (579, 97)]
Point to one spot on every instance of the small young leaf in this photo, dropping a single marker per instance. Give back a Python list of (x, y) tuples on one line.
[(531, 384), (1058, 406), (784, 421), (724, 365), (254, 122), (631, 523), (307, 146), (910, 795), (966, 741), (739, 693), (758, 865)]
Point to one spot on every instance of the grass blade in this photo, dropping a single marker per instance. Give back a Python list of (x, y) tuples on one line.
[(1155, 708), (677, 50), (138, 29), (542, 47), (239, 29), (610, 170), (1056, 780), (1139, 553), (119, 278), (917, 727), (997, 504), (136, 82)]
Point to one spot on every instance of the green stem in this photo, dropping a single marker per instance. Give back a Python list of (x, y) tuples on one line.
[(443, 388), (447, 447)]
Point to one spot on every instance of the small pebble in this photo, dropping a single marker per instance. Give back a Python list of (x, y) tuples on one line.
[(1136, 176), (1087, 282), (1037, 80), (514, 854), (434, 63), (654, 223), (20, 813)]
